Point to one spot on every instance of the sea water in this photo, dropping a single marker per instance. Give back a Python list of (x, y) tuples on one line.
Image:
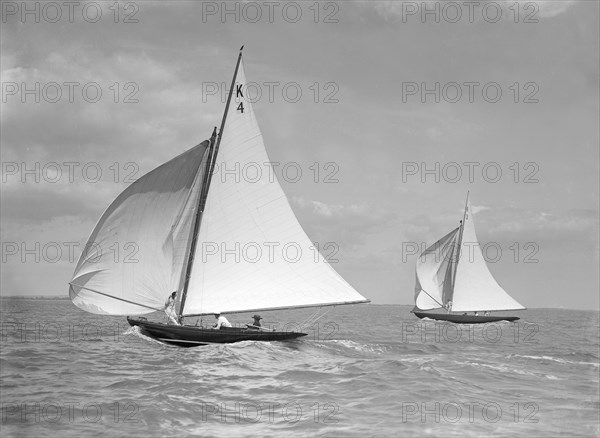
[(363, 370)]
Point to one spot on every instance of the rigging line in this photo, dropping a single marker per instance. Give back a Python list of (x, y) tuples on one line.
[(310, 318), (315, 320), (116, 298), (423, 290), (460, 237), (447, 248)]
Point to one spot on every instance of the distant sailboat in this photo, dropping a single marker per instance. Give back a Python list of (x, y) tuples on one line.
[(452, 278), (171, 212)]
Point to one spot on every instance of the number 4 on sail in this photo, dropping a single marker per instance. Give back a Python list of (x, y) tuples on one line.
[(182, 203), (453, 279)]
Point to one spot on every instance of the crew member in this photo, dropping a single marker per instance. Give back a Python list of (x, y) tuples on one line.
[(221, 322)]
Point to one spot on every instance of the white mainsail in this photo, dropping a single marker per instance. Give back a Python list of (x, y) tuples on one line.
[(139, 246), (475, 289), (431, 272), (252, 253), (466, 280)]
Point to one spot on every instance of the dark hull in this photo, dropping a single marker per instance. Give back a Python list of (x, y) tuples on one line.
[(190, 336), (464, 319)]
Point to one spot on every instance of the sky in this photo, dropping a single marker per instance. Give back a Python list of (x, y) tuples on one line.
[(391, 110)]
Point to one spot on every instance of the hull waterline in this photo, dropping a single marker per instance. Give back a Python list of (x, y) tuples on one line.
[(191, 336)]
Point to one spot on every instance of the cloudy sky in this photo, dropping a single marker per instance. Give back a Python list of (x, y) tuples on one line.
[(395, 98)]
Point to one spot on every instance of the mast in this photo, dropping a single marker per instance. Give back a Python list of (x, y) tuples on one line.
[(458, 247), (210, 165), (237, 66)]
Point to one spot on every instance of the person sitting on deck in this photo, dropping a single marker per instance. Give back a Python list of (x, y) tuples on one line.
[(221, 322), (170, 308), (255, 324)]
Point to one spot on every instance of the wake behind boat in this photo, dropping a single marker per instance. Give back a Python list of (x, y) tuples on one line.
[(179, 215), (452, 279)]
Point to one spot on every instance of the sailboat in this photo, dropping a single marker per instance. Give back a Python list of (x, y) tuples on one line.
[(452, 279), (177, 215)]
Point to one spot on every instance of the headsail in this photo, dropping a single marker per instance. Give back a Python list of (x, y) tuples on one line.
[(475, 289), (431, 269), (139, 246), (252, 252)]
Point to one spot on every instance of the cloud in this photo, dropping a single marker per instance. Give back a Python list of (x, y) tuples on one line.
[(347, 225), (477, 208), (38, 203), (571, 230), (144, 104), (552, 8)]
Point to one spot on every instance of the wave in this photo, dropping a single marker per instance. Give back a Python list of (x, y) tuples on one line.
[(504, 368), (556, 359), (136, 331)]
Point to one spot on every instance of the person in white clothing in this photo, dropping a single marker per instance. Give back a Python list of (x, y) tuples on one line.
[(221, 322), (170, 308)]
